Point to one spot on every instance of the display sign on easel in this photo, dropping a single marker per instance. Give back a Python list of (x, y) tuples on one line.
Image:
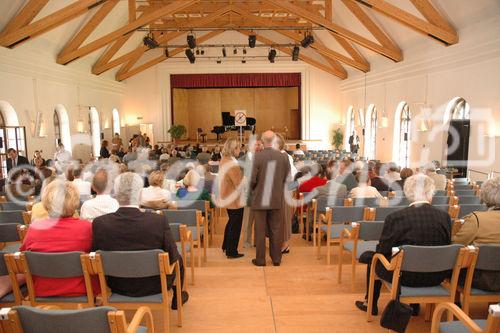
[(240, 119)]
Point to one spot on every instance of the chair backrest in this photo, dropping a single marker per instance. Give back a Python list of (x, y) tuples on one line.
[(54, 265), (398, 201), (439, 200), (488, 257), (11, 216), (368, 202), (469, 200), (323, 202), (130, 264), (370, 230), (8, 232), (462, 187), (429, 259), (347, 214), (440, 193), (444, 208), (191, 204), (12, 206), (176, 232), (460, 193), (467, 209), (34, 320), (183, 216), (382, 212), (3, 264)]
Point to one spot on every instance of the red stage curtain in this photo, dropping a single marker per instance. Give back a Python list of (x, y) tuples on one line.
[(235, 80)]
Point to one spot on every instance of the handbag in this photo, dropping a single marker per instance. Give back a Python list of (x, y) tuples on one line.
[(396, 315)]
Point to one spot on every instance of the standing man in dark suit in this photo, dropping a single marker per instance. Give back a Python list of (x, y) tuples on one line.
[(419, 224), (129, 229), (270, 171), (15, 159)]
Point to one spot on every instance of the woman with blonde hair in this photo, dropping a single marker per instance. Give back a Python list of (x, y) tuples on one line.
[(155, 196), (231, 196)]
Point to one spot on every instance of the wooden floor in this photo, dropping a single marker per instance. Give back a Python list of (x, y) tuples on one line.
[(302, 295)]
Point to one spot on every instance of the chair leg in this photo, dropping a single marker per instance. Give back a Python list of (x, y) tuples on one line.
[(371, 286), (179, 299), (307, 227), (339, 271), (429, 310), (318, 248), (192, 266), (353, 269), (314, 234), (199, 252), (166, 318), (328, 251)]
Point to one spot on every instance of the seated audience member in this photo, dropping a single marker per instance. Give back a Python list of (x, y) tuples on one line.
[(345, 176), (378, 182), (437, 165), (103, 203), (130, 156), (61, 232), (38, 160), (155, 196), (331, 188), (192, 190), (216, 154), (134, 230), (392, 173), (398, 185), (419, 224), (439, 180), (316, 180), (164, 155), (364, 188), (483, 228), (203, 157), (38, 211), (104, 152), (298, 150), (83, 186)]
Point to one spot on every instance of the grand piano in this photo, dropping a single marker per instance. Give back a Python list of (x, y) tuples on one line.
[(228, 125)]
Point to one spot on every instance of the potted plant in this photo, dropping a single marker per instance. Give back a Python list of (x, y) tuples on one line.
[(177, 131), (337, 138)]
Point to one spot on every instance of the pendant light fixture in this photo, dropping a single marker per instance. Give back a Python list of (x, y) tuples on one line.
[(384, 120), (425, 111), (361, 118)]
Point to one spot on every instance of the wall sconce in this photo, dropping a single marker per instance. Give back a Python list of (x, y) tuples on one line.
[(42, 130), (423, 125), (106, 124), (384, 122)]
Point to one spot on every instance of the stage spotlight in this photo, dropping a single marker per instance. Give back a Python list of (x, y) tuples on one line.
[(191, 41), (219, 61), (243, 61), (295, 53), (190, 56), (166, 52), (308, 40), (224, 52), (271, 55), (244, 51), (252, 39), (202, 52), (150, 42), (235, 51)]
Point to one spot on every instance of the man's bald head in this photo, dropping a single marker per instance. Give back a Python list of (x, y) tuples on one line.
[(100, 181), (268, 138)]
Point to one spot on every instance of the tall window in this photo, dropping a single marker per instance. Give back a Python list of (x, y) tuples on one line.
[(404, 137), (349, 127), (62, 131), (95, 131), (371, 132), (116, 122), (57, 128)]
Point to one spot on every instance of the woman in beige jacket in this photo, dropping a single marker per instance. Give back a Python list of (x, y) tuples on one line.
[(230, 181)]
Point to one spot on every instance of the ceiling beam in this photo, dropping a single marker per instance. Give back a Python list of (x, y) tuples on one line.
[(12, 38), (298, 37), (442, 35), (334, 63), (431, 14), (132, 10), (64, 58), (25, 16), (337, 71), (382, 37), (90, 26), (323, 22), (100, 68), (329, 9), (157, 60)]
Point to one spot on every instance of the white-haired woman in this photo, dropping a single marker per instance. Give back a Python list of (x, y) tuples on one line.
[(484, 228), (230, 196), (419, 224), (192, 189)]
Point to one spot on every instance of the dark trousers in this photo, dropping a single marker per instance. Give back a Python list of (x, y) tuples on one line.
[(232, 231), (268, 222), (382, 273)]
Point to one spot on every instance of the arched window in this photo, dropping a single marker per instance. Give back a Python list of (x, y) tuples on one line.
[(11, 135), (116, 122), (371, 132), (349, 127), (402, 135), (61, 127), (95, 130)]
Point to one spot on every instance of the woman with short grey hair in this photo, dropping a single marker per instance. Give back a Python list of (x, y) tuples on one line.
[(127, 189), (419, 188)]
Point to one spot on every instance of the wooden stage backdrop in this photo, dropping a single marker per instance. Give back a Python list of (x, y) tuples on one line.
[(271, 107)]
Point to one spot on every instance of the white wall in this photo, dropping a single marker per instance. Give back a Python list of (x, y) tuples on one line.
[(24, 74), (148, 96), (469, 69)]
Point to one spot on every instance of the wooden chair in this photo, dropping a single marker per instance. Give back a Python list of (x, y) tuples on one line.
[(486, 260), (469, 200), (194, 221), (451, 210), (468, 209), (52, 265), (27, 218), (16, 296), (137, 264), (184, 241), (105, 319), (318, 210), (421, 259), (364, 236), (437, 200), (9, 237), (12, 206), (204, 207), (11, 216), (336, 219), (464, 323), (382, 212)]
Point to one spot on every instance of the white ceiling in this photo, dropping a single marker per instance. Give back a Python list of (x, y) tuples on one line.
[(460, 13)]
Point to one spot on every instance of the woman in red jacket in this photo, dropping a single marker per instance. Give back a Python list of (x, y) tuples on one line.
[(61, 232)]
